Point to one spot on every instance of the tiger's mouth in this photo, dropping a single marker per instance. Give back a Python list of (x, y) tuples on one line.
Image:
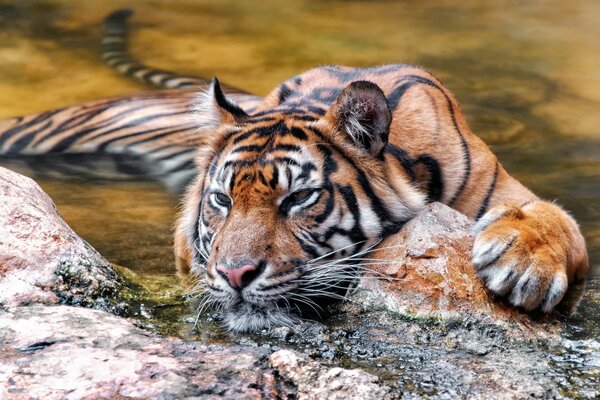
[(286, 304), (306, 290), (248, 317), (244, 316)]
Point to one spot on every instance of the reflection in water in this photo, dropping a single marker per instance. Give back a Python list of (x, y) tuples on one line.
[(525, 74)]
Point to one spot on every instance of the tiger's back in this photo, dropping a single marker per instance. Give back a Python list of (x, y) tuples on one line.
[(428, 134)]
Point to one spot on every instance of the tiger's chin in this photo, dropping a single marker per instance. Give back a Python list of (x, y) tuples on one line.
[(246, 317)]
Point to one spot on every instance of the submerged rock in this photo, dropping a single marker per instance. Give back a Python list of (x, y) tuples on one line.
[(41, 258)]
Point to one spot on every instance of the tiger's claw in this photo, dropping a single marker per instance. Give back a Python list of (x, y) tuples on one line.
[(521, 257)]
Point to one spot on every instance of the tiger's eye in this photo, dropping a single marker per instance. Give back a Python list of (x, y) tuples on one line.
[(222, 199), (299, 197)]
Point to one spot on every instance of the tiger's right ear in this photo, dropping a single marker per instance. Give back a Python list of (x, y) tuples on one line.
[(212, 109)]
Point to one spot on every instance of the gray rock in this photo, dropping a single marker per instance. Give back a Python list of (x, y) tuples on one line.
[(315, 381), (61, 352), (41, 258)]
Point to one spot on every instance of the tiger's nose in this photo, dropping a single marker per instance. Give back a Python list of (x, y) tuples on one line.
[(238, 276)]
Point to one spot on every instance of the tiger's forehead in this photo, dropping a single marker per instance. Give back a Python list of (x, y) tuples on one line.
[(272, 155), (267, 177)]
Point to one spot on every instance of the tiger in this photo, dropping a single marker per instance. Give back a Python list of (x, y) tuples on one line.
[(287, 193)]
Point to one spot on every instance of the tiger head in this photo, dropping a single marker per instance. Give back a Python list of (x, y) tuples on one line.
[(288, 202)]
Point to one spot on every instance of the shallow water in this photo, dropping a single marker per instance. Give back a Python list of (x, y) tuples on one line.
[(525, 74)]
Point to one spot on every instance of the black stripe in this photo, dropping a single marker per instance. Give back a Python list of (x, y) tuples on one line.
[(355, 234), (308, 118), (435, 185), (291, 112), (284, 93), (19, 144), (316, 110), (329, 206), (486, 201), (395, 98), (4, 136), (110, 47), (261, 178), (263, 119), (237, 163), (307, 167), (153, 138), (285, 147), (250, 147), (225, 104), (402, 156), (117, 20), (107, 142), (307, 247), (275, 178), (260, 131), (298, 133)]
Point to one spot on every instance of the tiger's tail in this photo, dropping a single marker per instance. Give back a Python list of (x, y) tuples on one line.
[(115, 53), (154, 126)]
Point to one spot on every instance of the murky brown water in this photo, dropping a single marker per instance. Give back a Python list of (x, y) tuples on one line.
[(526, 74)]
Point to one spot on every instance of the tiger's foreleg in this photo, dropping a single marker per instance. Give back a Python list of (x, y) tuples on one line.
[(529, 252), (526, 249)]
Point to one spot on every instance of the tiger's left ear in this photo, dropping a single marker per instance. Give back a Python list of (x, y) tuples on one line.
[(362, 112), (212, 109)]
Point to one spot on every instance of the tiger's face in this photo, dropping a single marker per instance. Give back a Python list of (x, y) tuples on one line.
[(287, 204)]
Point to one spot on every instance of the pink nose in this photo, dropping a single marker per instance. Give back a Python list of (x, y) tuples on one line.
[(238, 277)]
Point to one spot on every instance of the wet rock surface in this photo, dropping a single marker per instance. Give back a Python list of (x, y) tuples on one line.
[(41, 258), (442, 358), (336, 383), (432, 358)]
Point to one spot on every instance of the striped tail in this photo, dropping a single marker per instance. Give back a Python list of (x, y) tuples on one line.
[(152, 126), (114, 52)]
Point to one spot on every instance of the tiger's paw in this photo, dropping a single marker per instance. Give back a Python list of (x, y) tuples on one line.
[(522, 256)]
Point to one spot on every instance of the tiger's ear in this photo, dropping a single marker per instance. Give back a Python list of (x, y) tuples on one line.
[(212, 109), (362, 112)]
